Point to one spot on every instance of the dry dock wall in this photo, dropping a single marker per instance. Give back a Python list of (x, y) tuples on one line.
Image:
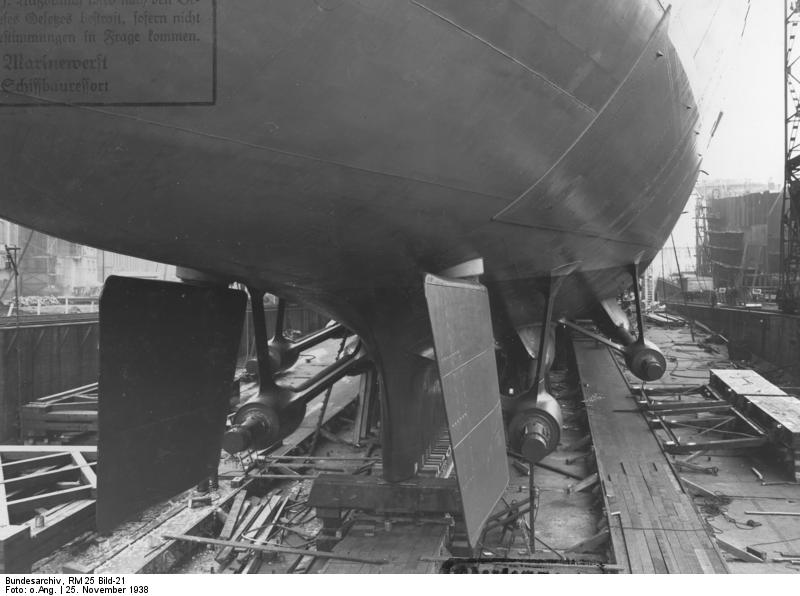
[(773, 336), (39, 360)]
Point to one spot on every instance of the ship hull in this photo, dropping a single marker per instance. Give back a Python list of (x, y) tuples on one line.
[(348, 148)]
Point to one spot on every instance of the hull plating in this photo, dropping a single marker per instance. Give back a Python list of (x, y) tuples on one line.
[(338, 150)]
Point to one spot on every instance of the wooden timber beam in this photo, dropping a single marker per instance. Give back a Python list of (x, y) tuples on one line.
[(43, 479), (55, 397), (4, 521), (161, 559), (739, 553), (72, 406), (371, 493), (86, 471), (21, 545), (15, 468), (18, 452), (47, 500), (267, 548), (60, 526), (15, 549)]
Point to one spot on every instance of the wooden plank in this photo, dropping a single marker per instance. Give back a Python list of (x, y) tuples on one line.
[(675, 534), (161, 559), (15, 549), (140, 532), (633, 538), (418, 495), (67, 393), (670, 538), (48, 500), (650, 519), (712, 554), (233, 516), (697, 489), (739, 553), (404, 547), (78, 417), (61, 427), (704, 560), (233, 544), (587, 482), (620, 554), (590, 544), (4, 521), (690, 538), (7, 430), (261, 521), (62, 526), (779, 513), (255, 509), (659, 521), (261, 537), (42, 479), (651, 555), (15, 468), (680, 540), (17, 452), (656, 490), (87, 473), (676, 558), (81, 405), (698, 538), (618, 546)]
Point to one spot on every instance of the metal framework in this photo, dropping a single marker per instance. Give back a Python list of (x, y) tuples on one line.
[(702, 257), (789, 294)]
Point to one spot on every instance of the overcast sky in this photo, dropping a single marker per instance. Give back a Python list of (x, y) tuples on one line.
[(749, 141), (748, 144)]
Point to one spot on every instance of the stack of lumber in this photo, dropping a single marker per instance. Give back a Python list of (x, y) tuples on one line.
[(61, 416), (251, 521), (47, 498), (271, 528)]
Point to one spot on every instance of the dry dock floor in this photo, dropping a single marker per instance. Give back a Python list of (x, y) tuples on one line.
[(733, 491), (635, 515)]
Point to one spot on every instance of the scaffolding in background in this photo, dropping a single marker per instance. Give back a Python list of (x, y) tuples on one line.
[(789, 292)]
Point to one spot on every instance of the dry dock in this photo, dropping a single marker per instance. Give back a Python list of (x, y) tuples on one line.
[(612, 498)]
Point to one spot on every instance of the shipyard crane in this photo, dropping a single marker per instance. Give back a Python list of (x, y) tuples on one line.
[(789, 290)]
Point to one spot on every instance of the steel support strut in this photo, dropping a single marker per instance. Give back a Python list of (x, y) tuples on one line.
[(535, 426), (277, 411), (262, 343), (643, 357), (542, 427), (284, 352), (633, 269), (549, 288)]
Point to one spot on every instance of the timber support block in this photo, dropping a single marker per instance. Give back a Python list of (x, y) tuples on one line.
[(593, 544), (16, 546), (333, 495), (371, 493)]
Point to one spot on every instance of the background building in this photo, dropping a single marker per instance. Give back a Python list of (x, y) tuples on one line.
[(741, 244), (52, 267)]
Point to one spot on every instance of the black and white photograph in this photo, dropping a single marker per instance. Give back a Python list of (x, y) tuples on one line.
[(446, 287)]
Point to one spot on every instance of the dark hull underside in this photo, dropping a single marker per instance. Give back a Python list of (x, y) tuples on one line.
[(352, 147)]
